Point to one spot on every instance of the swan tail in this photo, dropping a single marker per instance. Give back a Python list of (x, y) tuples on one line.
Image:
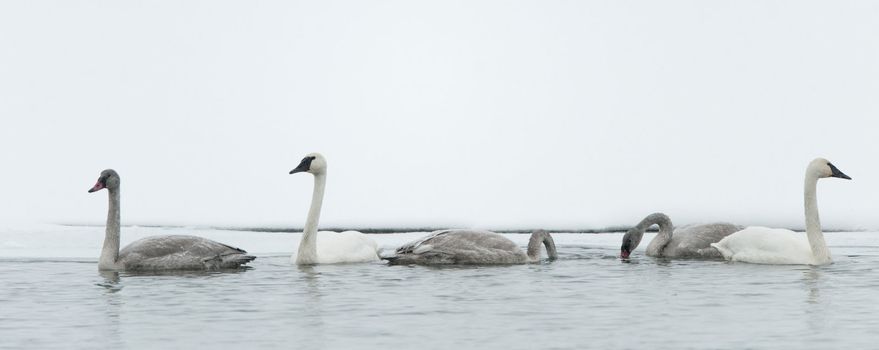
[(726, 253), (384, 255), (232, 260)]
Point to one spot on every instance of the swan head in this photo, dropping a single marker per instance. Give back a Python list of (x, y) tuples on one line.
[(109, 179), (314, 163), (630, 241), (633, 236), (822, 168)]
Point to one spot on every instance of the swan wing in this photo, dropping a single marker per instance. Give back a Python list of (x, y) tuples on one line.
[(460, 247), (422, 244), (694, 241), (181, 252), (345, 247), (762, 245)]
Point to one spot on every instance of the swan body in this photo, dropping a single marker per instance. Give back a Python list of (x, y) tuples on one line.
[(472, 247), (328, 247), (767, 246), (343, 247), (763, 245), (180, 252), (689, 242), (174, 252)]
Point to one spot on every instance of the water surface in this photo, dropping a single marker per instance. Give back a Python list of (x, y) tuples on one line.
[(587, 298)]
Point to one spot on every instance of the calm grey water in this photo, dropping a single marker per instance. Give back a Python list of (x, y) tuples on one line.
[(586, 299)]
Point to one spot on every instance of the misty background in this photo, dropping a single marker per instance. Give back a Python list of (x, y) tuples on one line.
[(484, 114)]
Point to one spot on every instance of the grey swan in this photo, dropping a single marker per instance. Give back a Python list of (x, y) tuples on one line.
[(472, 247), (693, 242), (157, 253)]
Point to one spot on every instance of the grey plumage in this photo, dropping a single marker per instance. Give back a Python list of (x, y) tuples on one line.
[(176, 252), (180, 252), (693, 241), (471, 247)]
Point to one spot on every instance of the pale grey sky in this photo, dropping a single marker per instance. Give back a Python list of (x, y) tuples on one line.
[(496, 114)]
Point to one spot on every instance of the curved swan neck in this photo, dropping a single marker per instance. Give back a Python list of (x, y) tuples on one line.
[(110, 251), (813, 223), (662, 238), (307, 253), (537, 238)]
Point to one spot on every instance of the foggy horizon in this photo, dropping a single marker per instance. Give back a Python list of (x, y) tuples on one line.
[(456, 114)]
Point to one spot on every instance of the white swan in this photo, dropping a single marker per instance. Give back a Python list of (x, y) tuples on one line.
[(176, 252), (331, 247), (469, 247), (763, 245), (692, 241)]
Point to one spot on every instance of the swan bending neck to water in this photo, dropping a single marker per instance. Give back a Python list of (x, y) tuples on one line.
[(778, 246), (471, 247), (632, 238), (692, 241), (344, 247), (174, 252)]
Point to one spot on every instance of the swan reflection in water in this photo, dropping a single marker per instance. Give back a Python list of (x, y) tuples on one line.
[(816, 306)]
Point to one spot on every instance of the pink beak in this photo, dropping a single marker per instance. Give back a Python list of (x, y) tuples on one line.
[(97, 187), (624, 254)]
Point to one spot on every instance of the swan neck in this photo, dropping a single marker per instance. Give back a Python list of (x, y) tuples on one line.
[(820, 252), (110, 251), (307, 253), (663, 237), (538, 238)]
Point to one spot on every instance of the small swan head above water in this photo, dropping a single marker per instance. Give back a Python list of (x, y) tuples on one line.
[(822, 168), (109, 179), (314, 163)]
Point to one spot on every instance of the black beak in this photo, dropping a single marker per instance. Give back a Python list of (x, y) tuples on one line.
[(835, 172), (303, 166)]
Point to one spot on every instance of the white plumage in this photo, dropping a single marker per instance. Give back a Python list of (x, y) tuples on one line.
[(343, 247), (763, 245), (328, 247)]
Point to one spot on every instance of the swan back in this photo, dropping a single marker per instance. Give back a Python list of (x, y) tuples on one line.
[(694, 241), (344, 247), (763, 245), (180, 252), (460, 247)]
